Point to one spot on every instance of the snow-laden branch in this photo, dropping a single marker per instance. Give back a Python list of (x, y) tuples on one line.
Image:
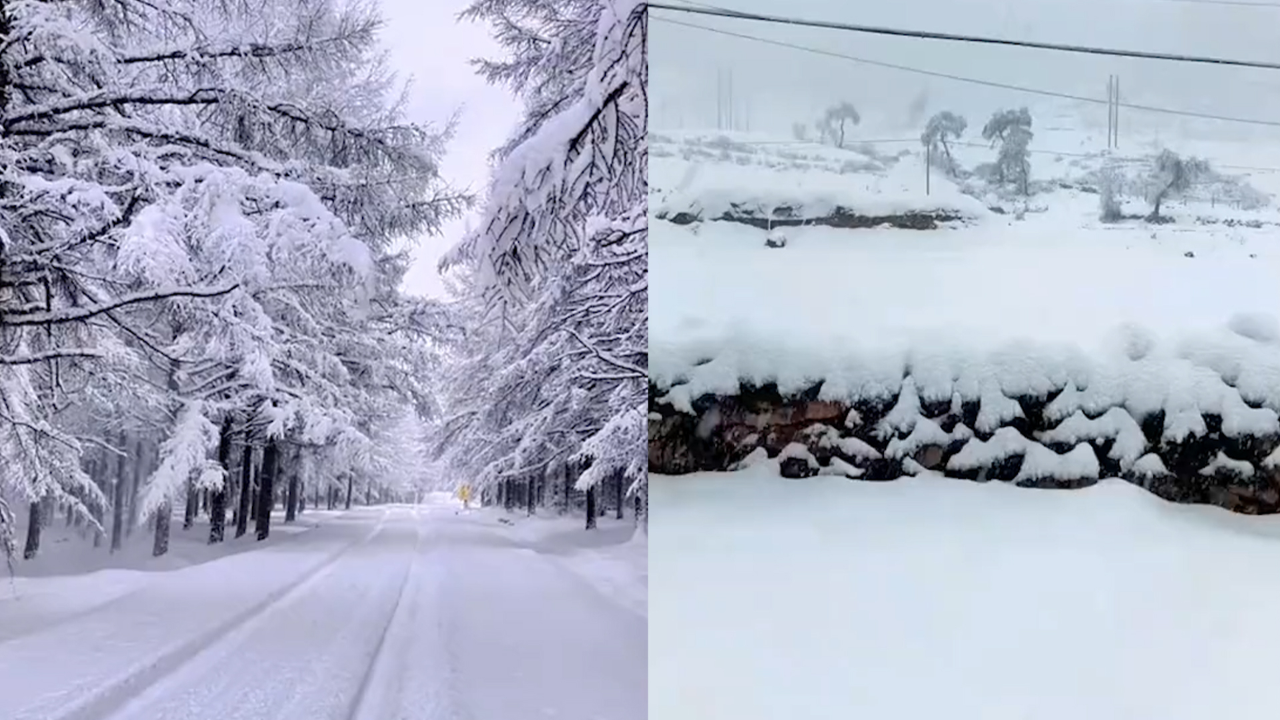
[(631, 369), (183, 458), (79, 314), (48, 355)]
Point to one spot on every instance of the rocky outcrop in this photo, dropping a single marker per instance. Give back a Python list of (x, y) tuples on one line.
[(887, 438)]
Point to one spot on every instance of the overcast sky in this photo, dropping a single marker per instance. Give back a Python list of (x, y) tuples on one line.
[(778, 86), (428, 45)]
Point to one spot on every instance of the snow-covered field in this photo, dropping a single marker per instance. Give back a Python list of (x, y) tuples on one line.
[(932, 598), (413, 612), (1029, 304)]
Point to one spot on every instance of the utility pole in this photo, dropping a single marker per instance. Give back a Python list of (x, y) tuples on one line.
[(1113, 111), (720, 99), (1111, 84), (729, 105), (928, 165), (1116, 112)]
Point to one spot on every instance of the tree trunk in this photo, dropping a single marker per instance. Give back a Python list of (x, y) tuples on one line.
[(34, 520), (302, 497), (532, 498), (246, 478), (98, 533), (350, 480), (218, 500), (508, 495), (291, 498), (134, 486), (591, 507), (266, 482), (621, 495), (117, 495), (329, 500), (642, 507), (161, 544)]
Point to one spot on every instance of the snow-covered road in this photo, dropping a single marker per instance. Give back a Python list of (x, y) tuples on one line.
[(403, 613)]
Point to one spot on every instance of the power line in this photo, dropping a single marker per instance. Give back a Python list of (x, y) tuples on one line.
[(969, 80), (928, 35), (1228, 3), (1223, 3), (860, 141)]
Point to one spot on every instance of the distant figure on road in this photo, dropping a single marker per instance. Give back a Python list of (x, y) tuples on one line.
[(464, 494)]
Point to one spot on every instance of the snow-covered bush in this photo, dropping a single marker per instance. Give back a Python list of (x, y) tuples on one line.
[(940, 127), (1109, 188), (1010, 130), (1171, 176)]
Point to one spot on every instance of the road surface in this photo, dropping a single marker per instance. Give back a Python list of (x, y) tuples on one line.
[(402, 613)]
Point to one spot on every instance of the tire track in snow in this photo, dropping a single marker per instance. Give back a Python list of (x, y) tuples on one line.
[(415, 678), (412, 678), (303, 660), (107, 701), (382, 679)]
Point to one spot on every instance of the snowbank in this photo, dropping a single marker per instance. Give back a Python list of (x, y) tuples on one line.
[(961, 309), (613, 558), (710, 190), (926, 598)]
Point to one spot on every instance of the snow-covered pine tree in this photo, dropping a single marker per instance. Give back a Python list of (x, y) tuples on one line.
[(558, 264), (204, 198)]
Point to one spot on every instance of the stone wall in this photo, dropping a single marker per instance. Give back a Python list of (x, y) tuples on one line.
[(841, 217), (861, 440)]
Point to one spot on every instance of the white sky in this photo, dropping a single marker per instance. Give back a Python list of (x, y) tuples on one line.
[(429, 46), (780, 86)]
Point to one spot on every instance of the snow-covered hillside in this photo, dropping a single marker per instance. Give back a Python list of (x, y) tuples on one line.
[(929, 598), (984, 320)]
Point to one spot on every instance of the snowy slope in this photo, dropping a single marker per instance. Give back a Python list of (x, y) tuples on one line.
[(707, 176), (929, 598), (1036, 303)]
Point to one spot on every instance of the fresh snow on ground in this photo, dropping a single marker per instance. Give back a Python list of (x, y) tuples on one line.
[(408, 612), (1147, 316), (614, 558), (932, 598), (70, 576), (66, 550), (812, 183)]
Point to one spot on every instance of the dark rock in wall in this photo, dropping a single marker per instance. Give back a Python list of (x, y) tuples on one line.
[(1152, 426), (796, 468), (883, 469), (1057, 483), (671, 441), (1005, 470)]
